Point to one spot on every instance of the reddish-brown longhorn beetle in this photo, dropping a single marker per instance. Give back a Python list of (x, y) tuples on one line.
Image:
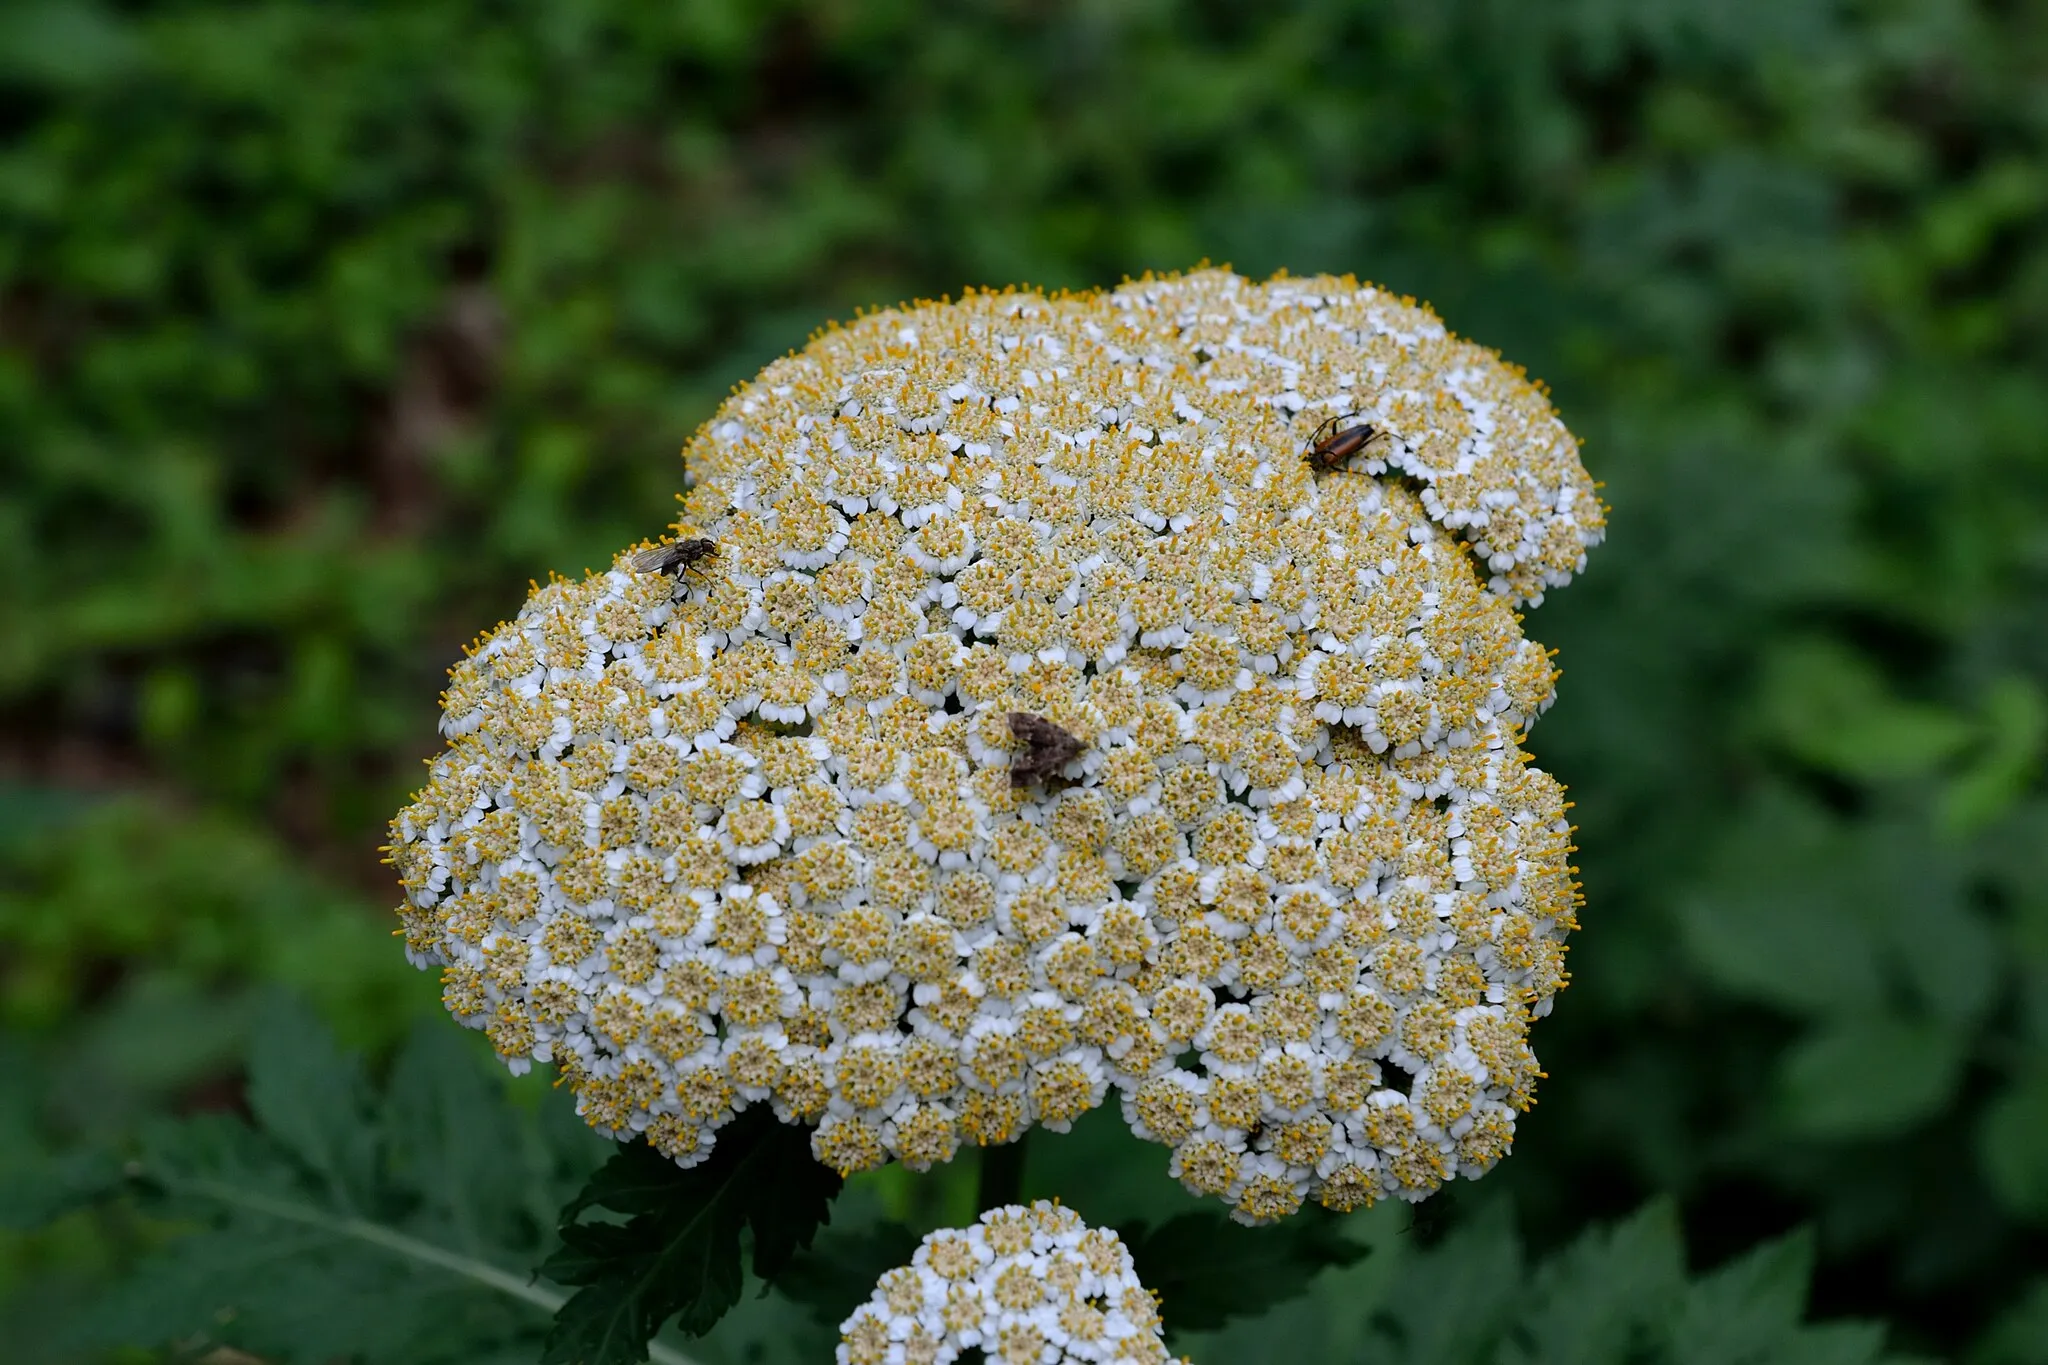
[(1330, 452)]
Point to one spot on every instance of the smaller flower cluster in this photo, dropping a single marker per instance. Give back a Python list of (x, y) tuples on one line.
[(1023, 1285)]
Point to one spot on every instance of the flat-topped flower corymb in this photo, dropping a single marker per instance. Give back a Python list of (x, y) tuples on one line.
[(746, 832)]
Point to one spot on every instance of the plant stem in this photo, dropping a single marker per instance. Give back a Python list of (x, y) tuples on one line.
[(398, 1244), (1002, 1176)]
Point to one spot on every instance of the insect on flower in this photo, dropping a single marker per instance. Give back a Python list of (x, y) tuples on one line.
[(1047, 749), (1328, 452), (674, 558)]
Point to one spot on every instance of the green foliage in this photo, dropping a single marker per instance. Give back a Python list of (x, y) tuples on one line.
[(1212, 1270), (837, 1274), (342, 1223), (397, 1222), (324, 328), (1619, 1294), (190, 900), (677, 1257)]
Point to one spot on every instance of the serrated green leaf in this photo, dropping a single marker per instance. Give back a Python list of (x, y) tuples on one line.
[(1749, 1312), (1835, 1343), (450, 1139), (37, 1190), (1949, 959), (1831, 706), (1454, 1302), (1825, 918), (1596, 1300), (1207, 1269), (1773, 921), (376, 1238), (840, 1270), (1740, 1311), (677, 1257), (310, 1099), (1862, 1077), (2015, 731), (1619, 1295), (2012, 1142), (1935, 937), (2019, 1334)]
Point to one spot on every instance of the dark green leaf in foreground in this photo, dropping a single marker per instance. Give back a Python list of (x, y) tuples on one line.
[(43, 1188), (346, 1224), (1207, 1270), (837, 1275), (677, 1255), (1619, 1295)]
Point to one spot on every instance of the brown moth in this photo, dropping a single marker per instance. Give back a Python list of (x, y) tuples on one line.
[(1047, 749)]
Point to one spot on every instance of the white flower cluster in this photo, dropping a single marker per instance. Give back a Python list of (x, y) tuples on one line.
[(751, 832), (1028, 1286)]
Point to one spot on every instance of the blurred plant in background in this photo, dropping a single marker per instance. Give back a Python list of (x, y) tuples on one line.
[(322, 330)]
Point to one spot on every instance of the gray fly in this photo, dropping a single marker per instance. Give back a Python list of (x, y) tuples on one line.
[(674, 558)]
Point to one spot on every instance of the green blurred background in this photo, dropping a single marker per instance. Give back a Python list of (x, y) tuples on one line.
[(323, 328)]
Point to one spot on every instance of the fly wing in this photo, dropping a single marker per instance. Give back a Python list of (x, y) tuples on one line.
[(654, 559)]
